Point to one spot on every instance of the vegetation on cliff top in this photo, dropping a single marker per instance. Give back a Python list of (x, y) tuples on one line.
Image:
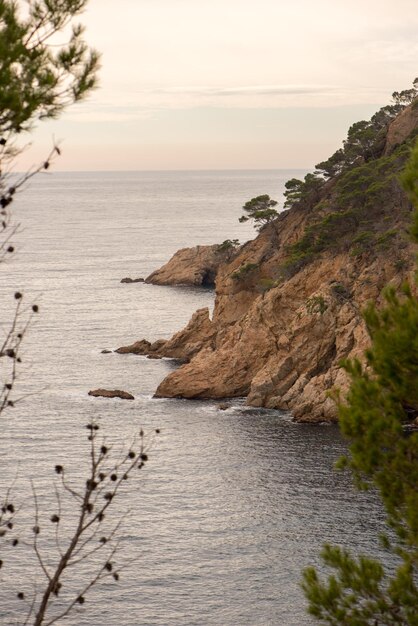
[(353, 202), (382, 398), (350, 197)]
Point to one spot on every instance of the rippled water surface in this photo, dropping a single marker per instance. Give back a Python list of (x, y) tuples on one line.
[(232, 504)]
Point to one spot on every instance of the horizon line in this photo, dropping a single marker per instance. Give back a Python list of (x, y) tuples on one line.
[(229, 169)]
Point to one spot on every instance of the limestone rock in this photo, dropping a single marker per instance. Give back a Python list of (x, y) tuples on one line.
[(199, 333), (139, 347), (270, 345), (401, 127), (157, 345), (115, 393), (190, 266)]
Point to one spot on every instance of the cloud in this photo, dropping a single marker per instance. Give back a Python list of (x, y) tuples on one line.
[(258, 96), (130, 104), (103, 112), (249, 90)]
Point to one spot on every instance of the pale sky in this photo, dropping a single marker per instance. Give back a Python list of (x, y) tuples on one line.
[(230, 84)]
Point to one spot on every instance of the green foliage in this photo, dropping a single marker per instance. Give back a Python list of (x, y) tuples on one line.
[(266, 284), (354, 595), (385, 238), (322, 235), (229, 245), (293, 191), (362, 191), (410, 182), (366, 139), (367, 185), (316, 304), (382, 398), (400, 264), (332, 166), (407, 96), (302, 190), (38, 80), (244, 271), (260, 209), (340, 292), (362, 242)]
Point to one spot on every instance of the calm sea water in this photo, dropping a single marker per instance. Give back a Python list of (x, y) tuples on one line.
[(233, 504)]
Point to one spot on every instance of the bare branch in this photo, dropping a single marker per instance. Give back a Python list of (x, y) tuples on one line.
[(36, 533)]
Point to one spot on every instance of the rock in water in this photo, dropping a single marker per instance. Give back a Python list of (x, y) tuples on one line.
[(191, 266), (139, 347), (115, 393), (132, 280)]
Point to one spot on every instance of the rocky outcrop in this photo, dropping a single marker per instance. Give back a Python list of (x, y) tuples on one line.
[(191, 266), (132, 280), (284, 353), (138, 347), (107, 393), (402, 127), (199, 332)]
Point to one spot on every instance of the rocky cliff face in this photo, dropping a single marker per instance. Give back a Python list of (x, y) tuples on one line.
[(288, 304)]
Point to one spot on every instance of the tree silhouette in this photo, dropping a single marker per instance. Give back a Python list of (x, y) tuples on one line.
[(38, 81)]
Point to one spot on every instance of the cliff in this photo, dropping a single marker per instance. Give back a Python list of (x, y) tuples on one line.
[(288, 304)]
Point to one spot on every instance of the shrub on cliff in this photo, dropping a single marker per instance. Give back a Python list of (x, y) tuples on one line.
[(382, 401)]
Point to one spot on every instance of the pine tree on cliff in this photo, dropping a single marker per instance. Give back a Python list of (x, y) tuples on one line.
[(261, 210), (382, 400)]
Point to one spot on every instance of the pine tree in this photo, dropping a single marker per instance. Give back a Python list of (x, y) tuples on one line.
[(261, 210), (39, 80), (377, 418)]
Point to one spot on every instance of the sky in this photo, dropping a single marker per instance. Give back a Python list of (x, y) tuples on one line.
[(231, 84)]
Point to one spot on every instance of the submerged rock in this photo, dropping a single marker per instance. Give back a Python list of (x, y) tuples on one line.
[(132, 280), (115, 393)]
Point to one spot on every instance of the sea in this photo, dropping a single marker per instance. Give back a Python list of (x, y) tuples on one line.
[(231, 505)]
